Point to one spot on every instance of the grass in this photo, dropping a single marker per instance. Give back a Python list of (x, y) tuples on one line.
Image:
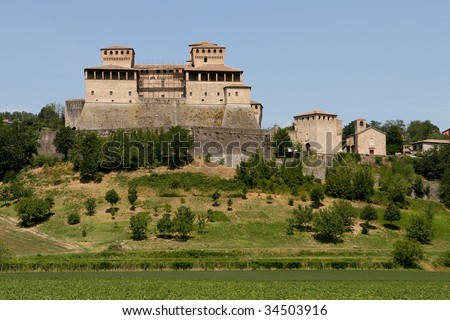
[(226, 285)]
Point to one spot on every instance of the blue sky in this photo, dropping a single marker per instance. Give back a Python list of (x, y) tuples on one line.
[(377, 59)]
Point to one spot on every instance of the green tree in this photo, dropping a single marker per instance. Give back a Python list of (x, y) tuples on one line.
[(112, 197), (18, 144), (216, 196), (301, 218), (87, 156), (421, 130), (132, 196), (433, 163), (394, 139), (32, 211), (281, 142), (392, 213), (329, 225), (165, 225), (139, 226), (5, 252), (230, 204), (407, 253), (444, 188), (420, 228), (317, 194), (49, 117), (418, 187), (347, 131), (90, 205), (73, 218), (175, 147), (345, 211), (64, 141), (368, 214), (183, 222)]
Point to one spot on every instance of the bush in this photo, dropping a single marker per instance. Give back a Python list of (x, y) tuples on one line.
[(5, 252), (444, 189), (345, 211), (302, 216), (43, 161), (420, 228), (132, 196), (407, 253), (329, 225), (291, 202), (138, 226), (90, 205), (445, 259), (112, 197), (73, 218), (215, 196)]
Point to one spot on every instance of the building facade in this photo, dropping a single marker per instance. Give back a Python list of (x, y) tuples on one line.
[(120, 94), (318, 130), (366, 140), (427, 144)]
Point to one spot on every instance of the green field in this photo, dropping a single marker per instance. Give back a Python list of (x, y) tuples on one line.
[(225, 285)]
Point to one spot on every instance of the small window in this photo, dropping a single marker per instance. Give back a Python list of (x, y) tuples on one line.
[(121, 52), (164, 71), (197, 51), (361, 123), (117, 52), (236, 93), (218, 94), (220, 50), (163, 96), (229, 94), (190, 94), (130, 101), (205, 59), (128, 51), (110, 93), (105, 53), (110, 52), (214, 50), (92, 93), (206, 93), (129, 93), (209, 50), (203, 50)]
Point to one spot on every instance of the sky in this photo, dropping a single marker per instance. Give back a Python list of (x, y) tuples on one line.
[(373, 59)]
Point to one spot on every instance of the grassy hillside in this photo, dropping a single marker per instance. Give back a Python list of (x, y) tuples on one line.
[(254, 227)]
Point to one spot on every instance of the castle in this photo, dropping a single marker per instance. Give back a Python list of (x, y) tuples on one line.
[(204, 92)]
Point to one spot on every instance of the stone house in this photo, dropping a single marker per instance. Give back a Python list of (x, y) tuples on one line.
[(427, 144), (366, 140)]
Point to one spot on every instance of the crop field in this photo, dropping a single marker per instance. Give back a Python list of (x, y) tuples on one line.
[(254, 285)]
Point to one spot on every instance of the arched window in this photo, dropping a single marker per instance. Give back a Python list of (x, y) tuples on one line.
[(214, 50), (209, 50), (205, 59), (110, 52), (117, 52), (361, 123), (121, 52), (128, 51), (197, 51), (220, 50), (105, 53), (203, 50)]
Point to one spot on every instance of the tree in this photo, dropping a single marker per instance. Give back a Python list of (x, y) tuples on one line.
[(347, 131), (73, 218), (421, 130), (418, 188), (5, 252), (444, 188), (230, 204), (407, 253), (433, 163), (394, 139), (368, 214), (317, 194), (176, 144), (90, 205), (392, 213), (183, 222), (34, 210), (345, 211), (18, 144), (49, 117), (420, 228), (139, 226), (165, 225), (132, 196), (281, 142), (302, 217), (87, 156), (215, 196), (329, 225), (64, 141), (362, 184), (112, 197)]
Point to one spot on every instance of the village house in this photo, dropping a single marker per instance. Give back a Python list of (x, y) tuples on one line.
[(366, 140)]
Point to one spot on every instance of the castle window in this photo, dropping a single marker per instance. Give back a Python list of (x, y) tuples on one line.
[(163, 96), (105, 52), (236, 93), (209, 50), (214, 50), (130, 75), (115, 75), (158, 71), (229, 94), (164, 71), (220, 50), (197, 51), (129, 93), (90, 75), (205, 59), (110, 93), (123, 76), (361, 123), (206, 93), (92, 93), (128, 51), (117, 52), (218, 94), (110, 52), (121, 52), (190, 94), (107, 75), (203, 50)]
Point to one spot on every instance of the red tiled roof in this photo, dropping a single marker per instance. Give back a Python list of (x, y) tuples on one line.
[(213, 67), (315, 112)]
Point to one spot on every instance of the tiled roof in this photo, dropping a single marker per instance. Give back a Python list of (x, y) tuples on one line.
[(109, 67), (237, 85), (203, 44), (117, 48), (315, 112), (213, 67), (432, 141)]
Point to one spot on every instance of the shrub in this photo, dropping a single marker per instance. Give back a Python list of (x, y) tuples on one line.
[(329, 225), (269, 199), (201, 221), (445, 259), (418, 188), (5, 252), (345, 210), (112, 197), (230, 204), (73, 218), (215, 196), (139, 225), (420, 228), (291, 202), (302, 216), (90, 205), (132, 196), (407, 253)]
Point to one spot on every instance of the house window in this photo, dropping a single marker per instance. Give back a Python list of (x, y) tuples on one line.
[(371, 152)]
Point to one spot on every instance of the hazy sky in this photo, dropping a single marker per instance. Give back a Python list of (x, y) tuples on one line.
[(377, 59)]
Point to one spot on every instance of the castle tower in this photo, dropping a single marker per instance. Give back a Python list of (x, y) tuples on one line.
[(204, 53), (118, 56)]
